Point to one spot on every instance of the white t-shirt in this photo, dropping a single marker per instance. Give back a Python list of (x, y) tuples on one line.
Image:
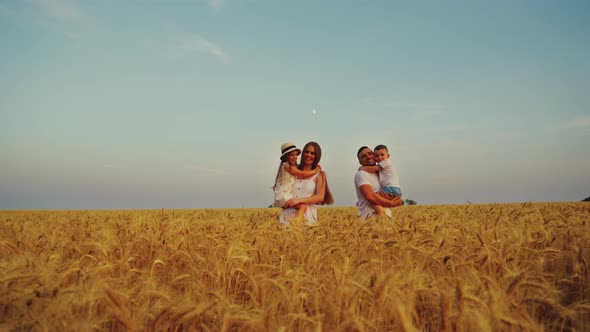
[(388, 175), (364, 206)]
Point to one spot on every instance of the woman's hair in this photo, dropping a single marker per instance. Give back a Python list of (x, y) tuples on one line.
[(328, 199)]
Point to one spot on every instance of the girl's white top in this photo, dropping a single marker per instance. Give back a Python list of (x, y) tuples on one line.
[(302, 188), (284, 186)]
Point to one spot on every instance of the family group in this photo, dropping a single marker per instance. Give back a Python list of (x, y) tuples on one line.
[(300, 187)]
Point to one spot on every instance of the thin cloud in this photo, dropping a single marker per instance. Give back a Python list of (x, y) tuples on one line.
[(199, 44), (216, 4), (70, 18), (577, 122), (64, 10)]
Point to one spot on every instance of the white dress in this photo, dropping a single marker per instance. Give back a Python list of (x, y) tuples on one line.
[(285, 182), (302, 188)]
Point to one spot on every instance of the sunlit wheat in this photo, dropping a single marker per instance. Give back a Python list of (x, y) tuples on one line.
[(488, 267)]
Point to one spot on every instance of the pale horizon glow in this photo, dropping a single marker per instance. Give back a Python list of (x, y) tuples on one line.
[(125, 105)]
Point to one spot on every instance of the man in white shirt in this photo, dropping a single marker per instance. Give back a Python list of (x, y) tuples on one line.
[(368, 188)]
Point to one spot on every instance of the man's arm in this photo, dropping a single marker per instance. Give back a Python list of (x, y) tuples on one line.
[(377, 199)]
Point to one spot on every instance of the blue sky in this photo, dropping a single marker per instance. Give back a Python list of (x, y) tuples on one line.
[(184, 104)]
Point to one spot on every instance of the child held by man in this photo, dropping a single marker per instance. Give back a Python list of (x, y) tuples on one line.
[(388, 176)]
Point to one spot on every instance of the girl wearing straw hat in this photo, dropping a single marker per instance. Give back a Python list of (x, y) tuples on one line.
[(307, 191), (287, 175)]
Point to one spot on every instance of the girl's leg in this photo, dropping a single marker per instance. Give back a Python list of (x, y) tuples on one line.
[(301, 208)]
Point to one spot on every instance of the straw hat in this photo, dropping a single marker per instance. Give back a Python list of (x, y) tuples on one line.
[(288, 147)]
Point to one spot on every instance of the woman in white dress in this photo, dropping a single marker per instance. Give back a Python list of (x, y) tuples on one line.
[(309, 191)]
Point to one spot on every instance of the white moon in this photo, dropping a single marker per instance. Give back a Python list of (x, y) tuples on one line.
[(313, 111)]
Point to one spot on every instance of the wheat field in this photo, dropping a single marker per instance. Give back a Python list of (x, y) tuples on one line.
[(492, 267)]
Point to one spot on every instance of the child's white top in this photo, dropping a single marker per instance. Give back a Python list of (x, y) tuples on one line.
[(388, 176), (284, 185)]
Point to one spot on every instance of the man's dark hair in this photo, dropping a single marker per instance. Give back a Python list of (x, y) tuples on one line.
[(361, 149), (381, 146)]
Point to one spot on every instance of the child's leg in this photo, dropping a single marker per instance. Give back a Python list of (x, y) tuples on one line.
[(393, 191), (280, 203), (301, 208), (379, 210)]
